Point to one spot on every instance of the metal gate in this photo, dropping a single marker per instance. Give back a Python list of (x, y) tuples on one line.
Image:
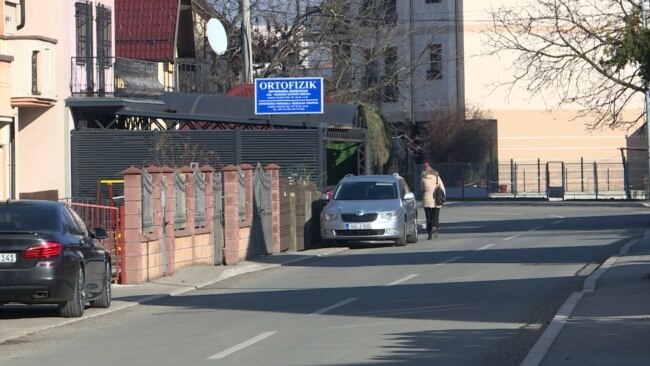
[(110, 218), (217, 217), (262, 230), (555, 179)]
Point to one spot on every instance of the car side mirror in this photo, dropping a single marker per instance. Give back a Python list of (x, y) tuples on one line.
[(99, 233), (409, 196)]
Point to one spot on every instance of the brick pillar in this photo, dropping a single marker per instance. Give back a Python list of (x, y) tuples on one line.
[(231, 215), (133, 267), (274, 170), (168, 224)]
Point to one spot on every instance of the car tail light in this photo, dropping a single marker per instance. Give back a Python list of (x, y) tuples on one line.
[(46, 249)]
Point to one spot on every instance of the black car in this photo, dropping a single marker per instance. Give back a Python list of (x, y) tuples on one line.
[(49, 256)]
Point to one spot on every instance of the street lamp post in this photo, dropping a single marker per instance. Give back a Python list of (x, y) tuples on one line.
[(646, 103)]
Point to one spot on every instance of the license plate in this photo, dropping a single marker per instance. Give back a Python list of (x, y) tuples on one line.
[(7, 257), (357, 226)]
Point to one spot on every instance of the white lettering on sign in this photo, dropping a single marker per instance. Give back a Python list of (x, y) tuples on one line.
[(279, 85)]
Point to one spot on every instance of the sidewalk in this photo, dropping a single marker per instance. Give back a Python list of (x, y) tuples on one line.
[(21, 320), (608, 323)]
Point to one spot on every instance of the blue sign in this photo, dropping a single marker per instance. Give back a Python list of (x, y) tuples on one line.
[(289, 96)]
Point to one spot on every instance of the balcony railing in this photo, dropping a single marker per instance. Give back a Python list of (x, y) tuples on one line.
[(93, 76), (121, 77)]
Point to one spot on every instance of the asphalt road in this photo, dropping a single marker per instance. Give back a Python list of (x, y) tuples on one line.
[(479, 294)]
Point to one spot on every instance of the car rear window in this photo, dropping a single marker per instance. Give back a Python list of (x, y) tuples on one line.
[(21, 217), (366, 191)]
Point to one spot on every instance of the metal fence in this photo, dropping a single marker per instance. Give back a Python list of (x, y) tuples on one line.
[(592, 180), (110, 218)]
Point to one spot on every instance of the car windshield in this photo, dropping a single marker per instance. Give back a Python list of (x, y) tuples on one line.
[(366, 191), (19, 217)]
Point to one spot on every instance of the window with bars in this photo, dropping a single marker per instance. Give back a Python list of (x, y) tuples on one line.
[(104, 36), (84, 32), (435, 62)]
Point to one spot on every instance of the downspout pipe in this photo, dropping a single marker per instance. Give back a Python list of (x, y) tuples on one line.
[(22, 15)]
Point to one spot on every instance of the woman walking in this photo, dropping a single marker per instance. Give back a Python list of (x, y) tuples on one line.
[(429, 180)]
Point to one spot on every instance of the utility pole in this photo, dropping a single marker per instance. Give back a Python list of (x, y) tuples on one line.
[(247, 71), (646, 104)]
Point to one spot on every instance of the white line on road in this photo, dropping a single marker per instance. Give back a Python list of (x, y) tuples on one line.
[(487, 246), (511, 237), (338, 304), (537, 228), (556, 222), (449, 261), (401, 280), (241, 346), (557, 216)]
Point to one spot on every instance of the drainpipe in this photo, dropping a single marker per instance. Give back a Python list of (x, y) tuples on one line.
[(12, 159), (22, 15)]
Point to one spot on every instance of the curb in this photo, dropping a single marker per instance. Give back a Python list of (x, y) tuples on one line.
[(540, 349)]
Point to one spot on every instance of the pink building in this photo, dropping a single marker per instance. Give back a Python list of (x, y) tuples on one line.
[(39, 42)]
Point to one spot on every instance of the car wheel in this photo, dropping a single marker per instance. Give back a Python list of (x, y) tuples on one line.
[(413, 235), (104, 300), (74, 308), (402, 239)]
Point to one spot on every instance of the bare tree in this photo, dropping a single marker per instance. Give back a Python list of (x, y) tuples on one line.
[(567, 49), (450, 137), (353, 44)]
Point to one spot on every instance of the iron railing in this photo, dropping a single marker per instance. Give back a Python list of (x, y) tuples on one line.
[(117, 76)]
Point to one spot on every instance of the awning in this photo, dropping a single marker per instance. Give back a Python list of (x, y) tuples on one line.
[(221, 108)]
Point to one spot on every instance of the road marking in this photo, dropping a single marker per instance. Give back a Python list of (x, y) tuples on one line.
[(556, 222), (338, 304), (449, 261), (401, 280), (487, 246), (511, 237), (543, 344), (241, 346), (557, 216), (537, 228)]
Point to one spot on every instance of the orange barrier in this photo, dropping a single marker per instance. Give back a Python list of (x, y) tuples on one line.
[(110, 218)]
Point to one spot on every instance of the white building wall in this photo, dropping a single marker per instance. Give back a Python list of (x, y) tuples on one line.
[(420, 24)]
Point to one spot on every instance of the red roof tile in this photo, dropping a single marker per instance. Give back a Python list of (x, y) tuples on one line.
[(145, 29)]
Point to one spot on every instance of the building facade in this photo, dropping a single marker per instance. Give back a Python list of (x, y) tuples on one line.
[(39, 43), (529, 128)]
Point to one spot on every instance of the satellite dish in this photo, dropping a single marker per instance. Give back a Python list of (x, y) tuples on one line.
[(217, 36)]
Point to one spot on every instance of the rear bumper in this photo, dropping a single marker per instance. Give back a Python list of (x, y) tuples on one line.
[(38, 285)]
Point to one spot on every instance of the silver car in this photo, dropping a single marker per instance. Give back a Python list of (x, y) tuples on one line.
[(369, 208)]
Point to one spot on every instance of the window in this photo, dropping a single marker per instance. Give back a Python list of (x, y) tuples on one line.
[(341, 60), (36, 90), (84, 23), (104, 37), (372, 76), (391, 90), (374, 12), (390, 16), (435, 63)]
